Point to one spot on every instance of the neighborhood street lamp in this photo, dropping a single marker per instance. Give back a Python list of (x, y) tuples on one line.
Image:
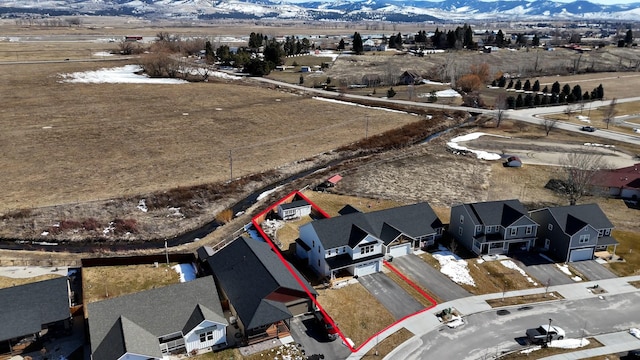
[(548, 333)]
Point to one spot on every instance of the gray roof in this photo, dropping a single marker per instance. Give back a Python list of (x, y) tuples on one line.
[(491, 213), (575, 217), (133, 323), (249, 271), (25, 308), (348, 229), (294, 204)]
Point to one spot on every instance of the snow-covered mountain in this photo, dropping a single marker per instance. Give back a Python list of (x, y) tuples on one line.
[(340, 10)]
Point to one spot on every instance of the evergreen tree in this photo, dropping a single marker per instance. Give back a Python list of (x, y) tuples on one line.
[(391, 93), (224, 54), (545, 100), (510, 84), (577, 93), (357, 46), (535, 41), (519, 101), (208, 52), (628, 38), (502, 81), (273, 54), (528, 100), (435, 39), (586, 96), (468, 37), (555, 88), (555, 98), (255, 40), (518, 85), (600, 92), (571, 98), (537, 100), (536, 86), (341, 44), (566, 89), (562, 98), (500, 38), (527, 85), (398, 41), (511, 102), (494, 83), (546, 89), (257, 67), (451, 39)]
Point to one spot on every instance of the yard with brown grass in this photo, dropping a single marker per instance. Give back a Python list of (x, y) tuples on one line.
[(524, 299), (6, 282), (356, 322), (384, 347), (103, 282)]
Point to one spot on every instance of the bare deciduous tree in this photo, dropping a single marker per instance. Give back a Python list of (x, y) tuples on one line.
[(500, 106), (548, 125), (569, 111), (610, 112), (581, 169)]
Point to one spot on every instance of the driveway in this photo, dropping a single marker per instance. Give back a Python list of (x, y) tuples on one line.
[(541, 269), (429, 277), (592, 270), (307, 333), (390, 294)]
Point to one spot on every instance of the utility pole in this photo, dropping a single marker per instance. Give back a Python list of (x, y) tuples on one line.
[(230, 166), (166, 251), (366, 127), (548, 337)]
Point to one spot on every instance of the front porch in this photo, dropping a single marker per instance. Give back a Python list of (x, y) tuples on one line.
[(502, 247), (278, 330)]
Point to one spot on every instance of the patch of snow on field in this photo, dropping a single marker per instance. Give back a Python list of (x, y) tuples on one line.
[(267, 193), (359, 105), (326, 53), (447, 93), (120, 75), (560, 344), (142, 206), (102, 54), (453, 266), (216, 74), (434, 82), (484, 155), (564, 268), (509, 264)]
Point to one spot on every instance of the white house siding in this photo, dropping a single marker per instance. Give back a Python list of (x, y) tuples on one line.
[(377, 247), (192, 339), (309, 236)]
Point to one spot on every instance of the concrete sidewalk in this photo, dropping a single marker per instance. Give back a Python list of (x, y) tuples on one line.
[(616, 342), (426, 321)]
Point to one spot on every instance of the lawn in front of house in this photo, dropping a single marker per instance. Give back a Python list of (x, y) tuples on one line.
[(355, 311), (332, 203), (629, 251), (6, 282), (104, 282)]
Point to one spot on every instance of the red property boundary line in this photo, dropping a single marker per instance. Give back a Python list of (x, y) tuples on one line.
[(302, 283)]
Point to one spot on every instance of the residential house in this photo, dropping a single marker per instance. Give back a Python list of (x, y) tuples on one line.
[(294, 210), (262, 290), (356, 242), (174, 319), (573, 233), (410, 78), (493, 227), (27, 310), (623, 182)]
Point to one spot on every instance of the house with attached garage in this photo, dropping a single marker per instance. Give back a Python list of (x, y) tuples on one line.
[(262, 291), (356, 242), (26, 311), (175, 319), (493, 227), (573, 233)]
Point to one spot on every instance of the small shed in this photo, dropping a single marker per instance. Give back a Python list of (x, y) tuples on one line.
[(513, 161), (334, 179), (294, 210)]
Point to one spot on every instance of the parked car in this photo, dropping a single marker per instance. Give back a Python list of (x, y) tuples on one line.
[(544, 333), (327, 325), (588, 128)]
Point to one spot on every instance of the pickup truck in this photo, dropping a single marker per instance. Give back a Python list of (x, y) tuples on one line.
[(544, 333), (329, 331)]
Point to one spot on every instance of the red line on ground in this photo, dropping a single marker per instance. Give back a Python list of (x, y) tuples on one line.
[(288, 266)]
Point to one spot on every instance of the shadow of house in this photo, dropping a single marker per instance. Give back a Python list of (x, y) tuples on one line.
[(175, 319), (28, 310), (262, 292)]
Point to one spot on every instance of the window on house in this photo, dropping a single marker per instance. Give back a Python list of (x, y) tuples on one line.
[(461, 219), (529, 230), (329, 252), (313, 243), (318, 262), (478, 229), (607, 232), (514, 231), (206, 336), (460, 231), (584, 239), (488, 229), (601, 232), (550, 227), (367, 249)]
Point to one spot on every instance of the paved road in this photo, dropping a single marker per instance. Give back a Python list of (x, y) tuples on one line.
[(391, 295), (486, 333), (429, 277), (592, 270)]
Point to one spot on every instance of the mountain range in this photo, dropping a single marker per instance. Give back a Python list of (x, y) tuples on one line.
[(333, 10)]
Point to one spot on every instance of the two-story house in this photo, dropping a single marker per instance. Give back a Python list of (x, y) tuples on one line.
[(573, 233), (493, 227), (356, 242)]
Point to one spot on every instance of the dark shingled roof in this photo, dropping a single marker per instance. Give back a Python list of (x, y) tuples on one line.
[(576, 217), (294, 204), (25, 308), (132, 323), (413, 220), (249, 271), (502, 212), (344, 260)]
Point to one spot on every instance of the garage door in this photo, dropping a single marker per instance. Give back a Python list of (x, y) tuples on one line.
[(366, 268), (581, 254), (400, 250)]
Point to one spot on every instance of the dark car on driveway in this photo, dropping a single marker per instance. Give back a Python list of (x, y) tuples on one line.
[(588, 128)]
